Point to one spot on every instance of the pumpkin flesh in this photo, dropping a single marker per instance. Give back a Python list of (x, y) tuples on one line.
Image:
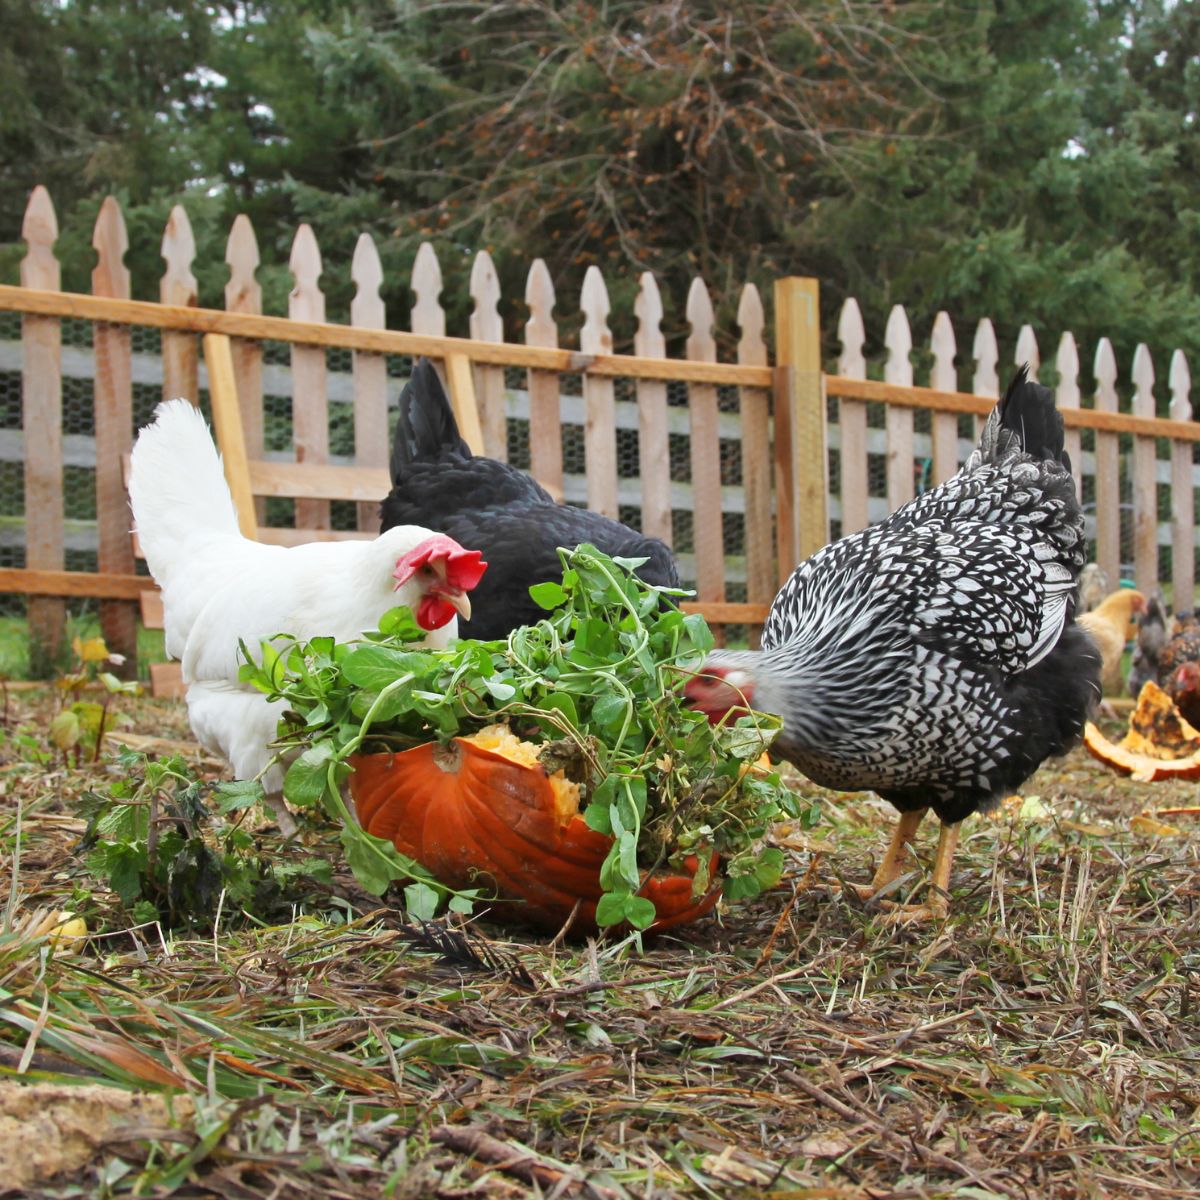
[(1159, 744), (474, 817)]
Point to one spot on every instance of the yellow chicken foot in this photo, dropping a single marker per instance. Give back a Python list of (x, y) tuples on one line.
[(937, 907), (895, 860)]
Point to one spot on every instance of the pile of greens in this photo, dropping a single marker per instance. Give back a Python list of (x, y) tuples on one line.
[(598, 682)]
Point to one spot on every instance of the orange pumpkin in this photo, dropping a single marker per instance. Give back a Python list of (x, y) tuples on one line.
[(476, 818), (1160, 744)]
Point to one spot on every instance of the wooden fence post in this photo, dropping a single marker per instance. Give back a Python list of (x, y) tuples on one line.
[(114, 433), (986, 380), (756, 456), (600, 429), (705, 440), (898, 421), (1108, 468), (1183, 491), (945, 378), (654, 439), (852, 422), (1066, 395), (486, 326), (1144, 467), (41, 423), (178, 286), (371, 444), (310, 402), (545, 412), (244, 295), (800, 457)]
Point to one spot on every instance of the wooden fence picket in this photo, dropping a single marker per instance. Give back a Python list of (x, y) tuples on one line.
[(310, 403), (852, 422), (427, 314), (756, 456), (1108, 467), (486, 326), (600, 430), (244, 295), (371, 440), (545, 407), (654, 444), (180, 360), (1027, 353), (41, 407), (1066, 396), (898, 370), (114, 430), (781, 496), (944, 377), (1144, 470), (705, 451), (986, 379), (1183, 501)]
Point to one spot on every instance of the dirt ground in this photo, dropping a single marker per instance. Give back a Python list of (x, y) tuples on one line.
[(1043, 1042)]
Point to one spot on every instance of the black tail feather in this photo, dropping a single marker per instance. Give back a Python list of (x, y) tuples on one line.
[(427, 427), (1029, 412)]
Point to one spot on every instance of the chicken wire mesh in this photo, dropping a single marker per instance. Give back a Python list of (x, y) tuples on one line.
[(146, 375)]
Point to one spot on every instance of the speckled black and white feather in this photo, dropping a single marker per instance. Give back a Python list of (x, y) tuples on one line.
[(933, 657)]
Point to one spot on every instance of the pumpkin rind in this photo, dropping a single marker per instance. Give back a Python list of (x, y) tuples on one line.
[(1160, 744), (475, 818)]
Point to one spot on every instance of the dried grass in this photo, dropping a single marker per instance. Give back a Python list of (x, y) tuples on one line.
[(1044, 1042)]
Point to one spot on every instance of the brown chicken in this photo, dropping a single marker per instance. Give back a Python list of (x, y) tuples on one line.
[(1184, 689), (1183, 646), (1111, 626)]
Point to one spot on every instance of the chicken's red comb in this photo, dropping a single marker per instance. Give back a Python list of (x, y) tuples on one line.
[(464, 568)]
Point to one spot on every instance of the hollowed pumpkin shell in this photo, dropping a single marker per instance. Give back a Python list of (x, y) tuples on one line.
[(1160, 744), (475, 818)]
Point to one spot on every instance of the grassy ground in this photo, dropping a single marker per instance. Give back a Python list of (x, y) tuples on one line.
[(1044, 1042), (14, 644)]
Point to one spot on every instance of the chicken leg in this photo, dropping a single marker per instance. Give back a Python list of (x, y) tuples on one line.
[(892, 866), (937, 907)]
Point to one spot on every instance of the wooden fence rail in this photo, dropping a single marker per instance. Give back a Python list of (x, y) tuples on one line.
[(729, 462)]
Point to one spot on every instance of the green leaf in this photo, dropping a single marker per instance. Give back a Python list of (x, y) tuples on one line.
[(374, 667), (640, 912), (376, 862), (66, 730), (609, 711), (238, 793), (305, 781), (548, 595), (400, 623), (610, 909), (421, 901)]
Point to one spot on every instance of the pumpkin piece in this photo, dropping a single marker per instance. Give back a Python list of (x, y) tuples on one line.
[(499, 739), (476, 818), (1159, 744)]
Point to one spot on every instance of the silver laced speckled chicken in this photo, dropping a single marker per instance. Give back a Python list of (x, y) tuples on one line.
[(934, 658)]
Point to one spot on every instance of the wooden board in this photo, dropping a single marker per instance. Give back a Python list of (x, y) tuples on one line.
[(371, 443), (755, 407), (166, 681), (382, 341), (114, 433), (703, 412), (230, 432), (545, 414), (654, 440), (326, 482), (41, 406), (24, 582)]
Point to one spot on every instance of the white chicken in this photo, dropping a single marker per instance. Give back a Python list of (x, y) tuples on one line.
[(220, 588)]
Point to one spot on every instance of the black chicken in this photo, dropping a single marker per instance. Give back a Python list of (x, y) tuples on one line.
[(489, 506), (934, 657)]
